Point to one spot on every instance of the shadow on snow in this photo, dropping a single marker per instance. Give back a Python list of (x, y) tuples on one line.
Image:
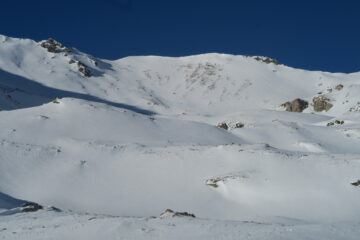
[(11, 83)]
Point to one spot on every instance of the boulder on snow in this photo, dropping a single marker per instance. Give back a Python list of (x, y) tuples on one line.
[(56, 100), (339, 87), (322, 103), (213, 182), (216, 181), (239, 125), (297, 105), (356, 184), (171, 213), (54, 47)]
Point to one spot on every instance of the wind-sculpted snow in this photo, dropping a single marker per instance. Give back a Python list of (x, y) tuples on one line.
[(139, 135)]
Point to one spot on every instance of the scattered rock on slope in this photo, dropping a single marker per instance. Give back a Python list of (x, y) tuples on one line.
[(84, 69), (297, 105), (355, 108), (322, 103), (336, 122)]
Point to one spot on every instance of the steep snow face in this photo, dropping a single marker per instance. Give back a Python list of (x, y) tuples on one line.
[(136, 136)]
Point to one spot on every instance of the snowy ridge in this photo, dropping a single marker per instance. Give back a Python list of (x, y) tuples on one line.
[(205, 134)]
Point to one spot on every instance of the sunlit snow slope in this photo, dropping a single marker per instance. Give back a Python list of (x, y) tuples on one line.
[(136, 136)]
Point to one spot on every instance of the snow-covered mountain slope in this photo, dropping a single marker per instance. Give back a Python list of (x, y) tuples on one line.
[(205, 134), (50, 225), (209, 83)]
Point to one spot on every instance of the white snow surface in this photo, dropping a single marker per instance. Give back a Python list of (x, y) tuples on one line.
[(140, 136)]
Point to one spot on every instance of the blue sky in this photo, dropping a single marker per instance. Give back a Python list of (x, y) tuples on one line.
[(315, 35)]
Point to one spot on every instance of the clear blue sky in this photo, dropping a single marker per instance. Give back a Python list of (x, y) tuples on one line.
[(316, 35)]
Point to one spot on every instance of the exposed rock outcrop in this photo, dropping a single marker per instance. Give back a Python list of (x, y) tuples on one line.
[(297, 105), (267, 60), (54, 47), (171, 213), (31, 207), (322, 103)]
